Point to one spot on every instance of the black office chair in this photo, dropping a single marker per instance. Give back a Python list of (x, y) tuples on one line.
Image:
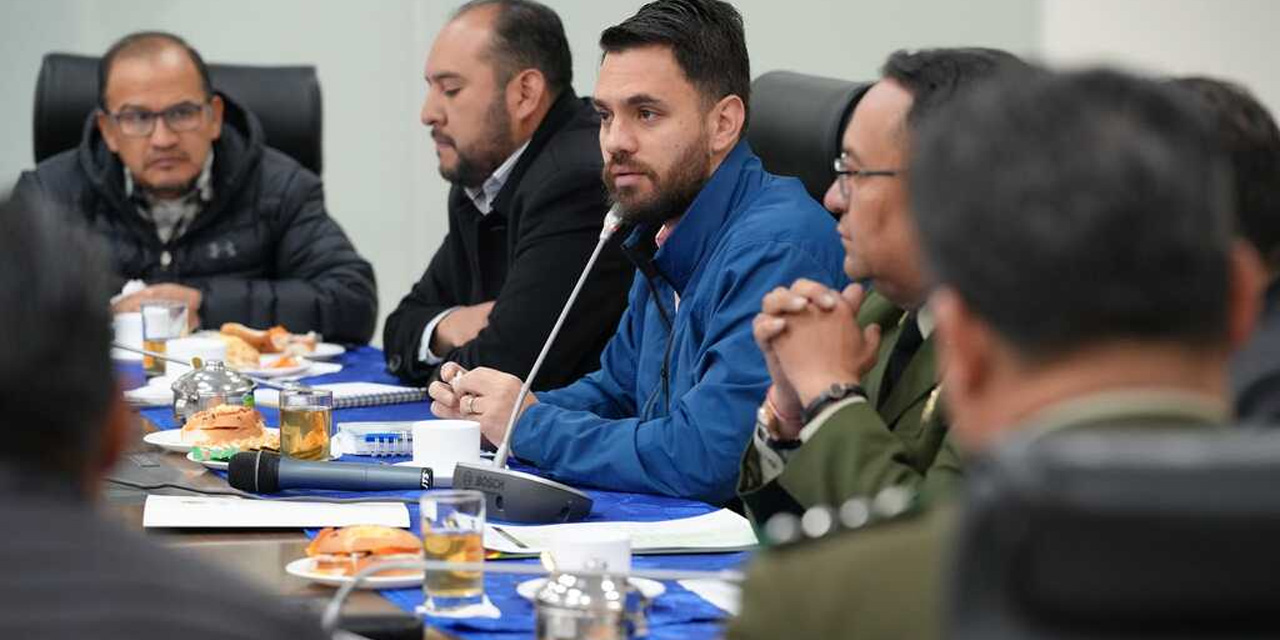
[(796, 124), (1131, 535), (286, 101)]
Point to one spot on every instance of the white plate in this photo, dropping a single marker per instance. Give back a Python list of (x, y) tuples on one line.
[(266, 372), (326, 351), (221, 465), (650, 589), (304, 568), (171, 440)]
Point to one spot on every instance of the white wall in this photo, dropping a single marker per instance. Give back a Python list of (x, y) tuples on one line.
[(380, 172), (1233, 39)]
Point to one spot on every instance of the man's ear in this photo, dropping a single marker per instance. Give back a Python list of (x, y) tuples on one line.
[(215, 120), (727, 118), (525, 92), (107, 128), (1245, 292)]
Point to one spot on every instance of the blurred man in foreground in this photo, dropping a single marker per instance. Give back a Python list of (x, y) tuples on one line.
[(68, 573)]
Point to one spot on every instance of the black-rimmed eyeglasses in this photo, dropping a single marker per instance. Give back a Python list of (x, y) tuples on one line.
[(844, 172), (138, 123)]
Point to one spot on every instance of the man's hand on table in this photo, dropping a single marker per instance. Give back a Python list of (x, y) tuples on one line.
[(484, 395)]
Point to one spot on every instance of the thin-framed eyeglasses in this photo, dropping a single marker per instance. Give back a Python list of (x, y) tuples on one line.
[(138, 123), (844, 172)]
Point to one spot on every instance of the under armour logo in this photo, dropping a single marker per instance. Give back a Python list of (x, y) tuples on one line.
[(220, 249)]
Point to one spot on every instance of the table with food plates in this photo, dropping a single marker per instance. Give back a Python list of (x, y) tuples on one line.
[(263, 555)]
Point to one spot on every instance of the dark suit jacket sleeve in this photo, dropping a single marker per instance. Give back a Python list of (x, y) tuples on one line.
[(433, 293), (321, 283), (561, 225)]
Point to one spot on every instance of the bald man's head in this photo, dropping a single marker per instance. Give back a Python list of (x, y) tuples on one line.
[(148, 44)]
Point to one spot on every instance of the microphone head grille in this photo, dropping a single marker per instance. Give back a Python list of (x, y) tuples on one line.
[(254, 471)]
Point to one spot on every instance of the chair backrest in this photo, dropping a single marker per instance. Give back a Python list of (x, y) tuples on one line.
[(1158, 534), (796, 124), (286, 101)]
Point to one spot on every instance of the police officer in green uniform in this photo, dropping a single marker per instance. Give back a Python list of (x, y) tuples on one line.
[(854, 405), (1077, 230)]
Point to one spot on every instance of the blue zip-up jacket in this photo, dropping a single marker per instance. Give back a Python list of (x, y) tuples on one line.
[(746, 232)]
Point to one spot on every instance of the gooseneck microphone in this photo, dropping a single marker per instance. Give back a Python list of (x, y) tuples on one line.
[(262, 472), (516, 496)]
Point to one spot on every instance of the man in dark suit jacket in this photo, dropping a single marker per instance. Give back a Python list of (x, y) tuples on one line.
[(525, 210), (69, 573), (1251, 140)]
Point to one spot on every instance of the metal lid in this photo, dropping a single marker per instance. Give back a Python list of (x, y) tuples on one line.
[(212, 377), (588, 593)]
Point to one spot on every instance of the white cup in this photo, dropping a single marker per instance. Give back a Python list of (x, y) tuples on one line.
[(187, 348), (128, 331), (442, 444), (575, 550)]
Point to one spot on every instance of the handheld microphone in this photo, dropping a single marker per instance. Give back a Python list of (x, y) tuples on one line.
[(262, 472), (516, 496)]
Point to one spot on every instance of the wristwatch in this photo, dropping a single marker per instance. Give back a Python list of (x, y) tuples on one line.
[(767, 419), (835, 393)]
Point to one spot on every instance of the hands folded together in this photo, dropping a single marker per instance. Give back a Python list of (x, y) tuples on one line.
[(810, 340)]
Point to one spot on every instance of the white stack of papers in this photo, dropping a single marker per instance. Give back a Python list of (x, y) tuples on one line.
[(721, 530), (231, 512)]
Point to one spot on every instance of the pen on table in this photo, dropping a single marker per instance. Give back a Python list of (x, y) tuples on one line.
[(502, 532)]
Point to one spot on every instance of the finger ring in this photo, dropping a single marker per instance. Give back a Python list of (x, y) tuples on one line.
[(470, 406)]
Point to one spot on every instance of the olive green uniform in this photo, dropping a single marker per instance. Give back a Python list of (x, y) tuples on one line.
[(859, 446), (886, 581)]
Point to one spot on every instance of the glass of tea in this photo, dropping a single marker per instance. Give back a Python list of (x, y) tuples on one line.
[(162, 321), (452, 531), (306, 423)]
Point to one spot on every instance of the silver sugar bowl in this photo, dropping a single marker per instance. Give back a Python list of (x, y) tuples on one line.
[(590, 607), (209, 384)]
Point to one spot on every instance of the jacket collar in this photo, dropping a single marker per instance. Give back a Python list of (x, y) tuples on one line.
[(700, 227), (562, 111)]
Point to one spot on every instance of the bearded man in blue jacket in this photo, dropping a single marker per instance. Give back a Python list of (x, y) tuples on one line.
[(671, 408)]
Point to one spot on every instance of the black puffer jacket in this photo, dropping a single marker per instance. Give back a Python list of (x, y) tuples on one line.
[(263, 252)]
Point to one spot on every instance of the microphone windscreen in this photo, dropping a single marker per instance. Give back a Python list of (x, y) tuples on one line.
[(254, 471)]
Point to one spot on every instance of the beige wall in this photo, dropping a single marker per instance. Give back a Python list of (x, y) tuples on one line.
[(1233, 39)]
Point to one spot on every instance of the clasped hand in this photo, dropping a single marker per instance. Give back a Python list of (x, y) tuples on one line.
[(810, 339)]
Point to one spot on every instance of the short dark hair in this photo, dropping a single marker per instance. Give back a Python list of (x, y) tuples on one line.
[(935, 76), (1251, 140), (527, 35), (56, 377), (1073, 209), (148, 42), (706, 37)]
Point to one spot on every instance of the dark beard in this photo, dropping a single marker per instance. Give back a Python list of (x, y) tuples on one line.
[(475, 165), (672, 195)]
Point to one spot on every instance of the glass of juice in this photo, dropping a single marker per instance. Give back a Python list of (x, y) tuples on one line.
[(306, 423), (452, 531), (162, 321)]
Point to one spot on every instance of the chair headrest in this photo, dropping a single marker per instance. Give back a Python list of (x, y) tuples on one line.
[(286, 101), (1132, 534), (796, 124)]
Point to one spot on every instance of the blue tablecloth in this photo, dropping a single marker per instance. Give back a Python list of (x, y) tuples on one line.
[(677, 614)]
